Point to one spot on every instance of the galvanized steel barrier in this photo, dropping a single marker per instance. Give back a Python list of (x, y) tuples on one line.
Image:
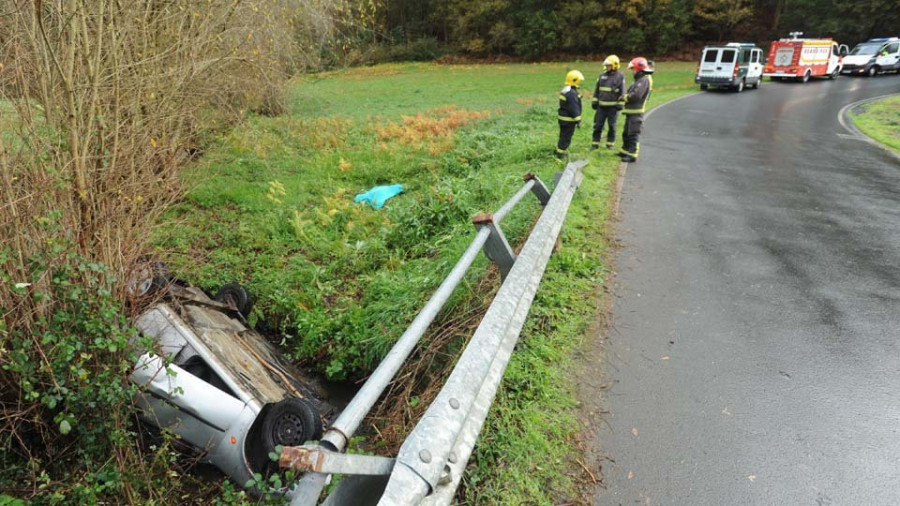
[(432, 459)]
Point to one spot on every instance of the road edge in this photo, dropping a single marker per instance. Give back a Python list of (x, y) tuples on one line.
[(846, 122)]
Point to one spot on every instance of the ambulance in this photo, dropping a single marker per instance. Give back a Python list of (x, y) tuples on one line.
[(800, 59)]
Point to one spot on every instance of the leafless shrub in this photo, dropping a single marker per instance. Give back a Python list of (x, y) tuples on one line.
[(101, 104)]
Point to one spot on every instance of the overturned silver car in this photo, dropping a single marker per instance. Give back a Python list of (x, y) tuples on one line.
[(218, 384)]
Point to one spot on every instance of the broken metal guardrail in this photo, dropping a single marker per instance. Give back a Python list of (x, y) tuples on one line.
[(432, 458)]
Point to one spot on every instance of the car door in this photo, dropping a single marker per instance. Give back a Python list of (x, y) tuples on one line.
[(889, 56), (754, 73), (723, 68), (708, 62)]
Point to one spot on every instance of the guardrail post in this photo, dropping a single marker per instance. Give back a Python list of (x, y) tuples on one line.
[(539, 189), (496, 248)]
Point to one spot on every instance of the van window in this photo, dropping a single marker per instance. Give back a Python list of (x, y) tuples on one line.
[(710, 56), (892, 48), (754, 57), (728, 56)]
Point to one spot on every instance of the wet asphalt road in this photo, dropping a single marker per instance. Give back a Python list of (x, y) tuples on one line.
[(756, 339)]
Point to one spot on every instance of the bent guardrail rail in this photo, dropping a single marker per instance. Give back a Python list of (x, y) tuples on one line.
[(431, 460)]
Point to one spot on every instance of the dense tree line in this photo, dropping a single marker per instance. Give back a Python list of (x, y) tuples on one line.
[(534, 29)]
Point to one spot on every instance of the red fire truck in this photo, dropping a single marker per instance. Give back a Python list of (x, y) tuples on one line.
[(799, 59)]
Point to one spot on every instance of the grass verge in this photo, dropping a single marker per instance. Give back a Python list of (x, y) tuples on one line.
[(880, 120), (272, 206)]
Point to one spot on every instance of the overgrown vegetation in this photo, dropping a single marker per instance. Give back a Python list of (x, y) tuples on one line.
[(880, 120), (102, 103)]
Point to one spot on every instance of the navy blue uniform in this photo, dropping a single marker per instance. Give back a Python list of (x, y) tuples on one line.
[(635, 105), (569, 116), (609, 97)]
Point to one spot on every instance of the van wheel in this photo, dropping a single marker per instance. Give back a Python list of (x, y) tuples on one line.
[(757, 83), (873, 71), (704, 87), (740, 86), (805, 78), (290, 422), (238, 296), (833, 75)]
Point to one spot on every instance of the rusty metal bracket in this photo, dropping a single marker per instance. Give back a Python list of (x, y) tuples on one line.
[(496, 248), (314, 458)]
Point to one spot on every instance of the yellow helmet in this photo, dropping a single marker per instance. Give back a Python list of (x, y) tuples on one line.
[(574, 78), (613, 61)]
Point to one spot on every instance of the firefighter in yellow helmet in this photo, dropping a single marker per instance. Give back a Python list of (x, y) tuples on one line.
[(569, 113), (609, 98), (635, 104)]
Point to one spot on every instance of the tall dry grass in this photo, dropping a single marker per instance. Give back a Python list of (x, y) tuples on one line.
[(101, 103)]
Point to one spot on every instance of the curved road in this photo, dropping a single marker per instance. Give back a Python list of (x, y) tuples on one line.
[(755, 348)]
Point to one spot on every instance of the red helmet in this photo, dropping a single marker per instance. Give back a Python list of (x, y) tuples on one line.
[(639, 64)]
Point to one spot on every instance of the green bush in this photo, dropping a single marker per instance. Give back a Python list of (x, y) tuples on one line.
[(67, 401)]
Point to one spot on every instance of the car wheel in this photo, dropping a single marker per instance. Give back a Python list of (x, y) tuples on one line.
[(833, 75), (237, 296), (758, 82), (149, 278), (805, 78), (704, 87), (290, 422), (872, 72), (740, 86)]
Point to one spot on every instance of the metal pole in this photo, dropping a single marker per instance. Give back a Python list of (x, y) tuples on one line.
[(503, 211)]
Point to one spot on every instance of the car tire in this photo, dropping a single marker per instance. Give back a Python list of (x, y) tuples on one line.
[(149, 279), (872, 72), (234, 293), (704, 87), (833, 75), (757, 84), (290, 422), (805, 78), (740, 86)]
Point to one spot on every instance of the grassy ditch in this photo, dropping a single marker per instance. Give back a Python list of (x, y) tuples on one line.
[(880, 120), (271, 206)]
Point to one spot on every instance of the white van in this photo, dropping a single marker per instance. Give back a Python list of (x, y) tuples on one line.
[(734, 65), (873, 57)]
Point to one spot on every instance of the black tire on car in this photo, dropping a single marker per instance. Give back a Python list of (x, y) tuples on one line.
[(740, 86), (238, 296), (805, 77), (872, 72), (290, 422), (704, 87), (757, 84)]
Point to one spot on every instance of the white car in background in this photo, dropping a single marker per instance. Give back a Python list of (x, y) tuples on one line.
[(873, 57), (218, 384)]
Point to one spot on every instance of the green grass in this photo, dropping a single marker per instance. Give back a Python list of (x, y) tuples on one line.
[(271, 206), (880, 120)]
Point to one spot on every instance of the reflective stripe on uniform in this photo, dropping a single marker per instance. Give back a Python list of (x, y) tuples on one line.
[(566, 118), (608, 103), (563, 98), (605, 88)]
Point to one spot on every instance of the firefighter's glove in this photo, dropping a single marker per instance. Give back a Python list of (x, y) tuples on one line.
[(619, 107)]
